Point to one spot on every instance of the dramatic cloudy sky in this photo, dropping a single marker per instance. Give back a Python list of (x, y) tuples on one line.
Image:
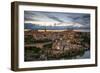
[(79, 20)]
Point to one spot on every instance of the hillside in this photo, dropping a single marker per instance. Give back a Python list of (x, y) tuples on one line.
[(50, 45)]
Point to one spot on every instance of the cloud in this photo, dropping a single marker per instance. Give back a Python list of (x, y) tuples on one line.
[(75, 20)]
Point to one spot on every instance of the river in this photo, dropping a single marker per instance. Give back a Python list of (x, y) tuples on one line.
[(86, 55)]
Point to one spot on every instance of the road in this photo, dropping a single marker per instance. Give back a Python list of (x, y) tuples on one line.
[(38, 45)]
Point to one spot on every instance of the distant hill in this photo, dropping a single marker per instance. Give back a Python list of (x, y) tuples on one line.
[(38, 27)]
